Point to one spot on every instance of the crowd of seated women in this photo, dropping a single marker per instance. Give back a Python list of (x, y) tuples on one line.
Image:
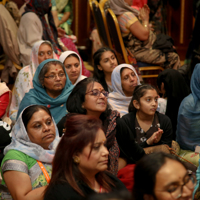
[(67, 136)]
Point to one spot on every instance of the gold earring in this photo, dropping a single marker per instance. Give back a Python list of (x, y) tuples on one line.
[(76, 159)]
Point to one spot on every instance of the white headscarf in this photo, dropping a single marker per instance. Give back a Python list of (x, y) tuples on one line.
[(117, 99), (21, 142), (62, 58)]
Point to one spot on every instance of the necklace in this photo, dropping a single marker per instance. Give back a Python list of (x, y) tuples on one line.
[(144, 126)]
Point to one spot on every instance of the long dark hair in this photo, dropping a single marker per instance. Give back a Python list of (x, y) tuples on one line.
[(139, 92), (77, 97), (176, 89), (99, 74), (80, 131), (146, 169)]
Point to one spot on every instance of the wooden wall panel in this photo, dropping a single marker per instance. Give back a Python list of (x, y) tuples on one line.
[(180, 25), (81, 22)]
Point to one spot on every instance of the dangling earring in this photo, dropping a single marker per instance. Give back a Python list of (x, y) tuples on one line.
[(83, 106), (76, 159)]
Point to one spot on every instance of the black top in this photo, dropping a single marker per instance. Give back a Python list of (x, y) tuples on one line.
[(126, 136), (63, 191)]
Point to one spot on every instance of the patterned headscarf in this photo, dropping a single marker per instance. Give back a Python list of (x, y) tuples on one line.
[(40, 8), (21, 142)]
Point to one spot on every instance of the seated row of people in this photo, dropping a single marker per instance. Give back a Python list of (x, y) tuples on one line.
[(80, 162)]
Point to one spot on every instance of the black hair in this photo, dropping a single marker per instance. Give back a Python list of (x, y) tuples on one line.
[(77, 97), (29, 111), (99, 74), (73, 55), (139, 92), (45, 69), (145, 173), (121, 70)]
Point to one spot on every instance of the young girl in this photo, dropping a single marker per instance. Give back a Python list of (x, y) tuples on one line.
[(143, 124), (105, 61)]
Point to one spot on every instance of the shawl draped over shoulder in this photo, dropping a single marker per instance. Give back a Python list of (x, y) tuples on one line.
[(38, 96)]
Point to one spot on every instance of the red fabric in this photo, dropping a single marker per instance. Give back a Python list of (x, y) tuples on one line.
[(71, 46), (139, 3), (126, 176), (4, 102)]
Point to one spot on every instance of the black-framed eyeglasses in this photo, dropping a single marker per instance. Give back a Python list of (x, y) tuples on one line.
[(97, 93), (54, 76), (189, 181)]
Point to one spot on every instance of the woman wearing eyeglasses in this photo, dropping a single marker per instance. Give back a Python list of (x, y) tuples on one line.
[(89, 97), (51, 88), (164, 177)]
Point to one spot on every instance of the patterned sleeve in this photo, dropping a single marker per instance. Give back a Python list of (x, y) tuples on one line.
[(125, 21), (14, 165), (14, 161)]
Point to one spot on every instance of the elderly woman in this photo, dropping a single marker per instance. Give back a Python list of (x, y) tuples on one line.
[(88, 97), (51, 88), (81, 161), (73, 66), (124, 80), (140, 40), (41, 51), (26, 167)]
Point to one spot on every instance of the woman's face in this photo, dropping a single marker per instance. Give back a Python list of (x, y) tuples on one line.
[(169, 179), (108, 62), (95, 105), (72, 67), (41, 129), (148, 103), (129, 2), (94, 159), (54, 79), (129, 81), (45, 52)]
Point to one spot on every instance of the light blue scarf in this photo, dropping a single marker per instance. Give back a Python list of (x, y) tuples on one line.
[(21, 142), (38, 96)]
